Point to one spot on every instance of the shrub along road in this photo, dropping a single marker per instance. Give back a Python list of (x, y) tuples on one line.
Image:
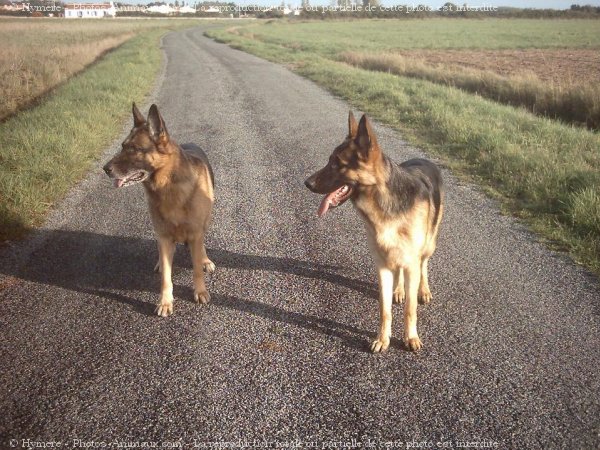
[(511, 339)]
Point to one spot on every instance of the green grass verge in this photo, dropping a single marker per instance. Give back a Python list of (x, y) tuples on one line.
[(45, 150), (545, 172), (329, 38)]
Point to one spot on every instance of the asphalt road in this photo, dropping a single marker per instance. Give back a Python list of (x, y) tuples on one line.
[(511, 340)]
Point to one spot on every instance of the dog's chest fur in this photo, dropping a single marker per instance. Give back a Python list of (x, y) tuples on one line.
[(393, 239), (180, 208), (396, 214), (170, 213)]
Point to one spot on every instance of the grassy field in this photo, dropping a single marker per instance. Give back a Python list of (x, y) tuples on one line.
[(45, 149), (401, 47), (331, 38), (37, 55), (544, 171)]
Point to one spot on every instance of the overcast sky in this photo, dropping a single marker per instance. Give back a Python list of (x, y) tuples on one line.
[(555, 4)]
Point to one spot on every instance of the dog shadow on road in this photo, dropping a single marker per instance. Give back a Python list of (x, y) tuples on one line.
[(305, 269), (117, 267)]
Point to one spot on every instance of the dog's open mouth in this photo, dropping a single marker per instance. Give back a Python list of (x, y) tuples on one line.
[(335, 198), (131, 178)]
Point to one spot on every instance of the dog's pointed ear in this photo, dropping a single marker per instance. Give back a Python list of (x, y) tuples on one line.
[(365, 137), (138, 119), (156, 125), (352, 125)]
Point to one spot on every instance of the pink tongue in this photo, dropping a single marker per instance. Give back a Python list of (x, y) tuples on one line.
[(326, 202), (118, 182)]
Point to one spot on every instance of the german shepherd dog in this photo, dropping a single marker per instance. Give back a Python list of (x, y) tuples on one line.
[(179, 184), (401, 206)]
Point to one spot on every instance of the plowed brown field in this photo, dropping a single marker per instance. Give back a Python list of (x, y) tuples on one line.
[(562, 67)]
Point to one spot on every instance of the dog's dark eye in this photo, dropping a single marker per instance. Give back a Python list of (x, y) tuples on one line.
[(337, 164)]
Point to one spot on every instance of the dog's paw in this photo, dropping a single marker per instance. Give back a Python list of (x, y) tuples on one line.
[(380, 345), (413, 344), (425, 297), (209, 266), (399, 296), (157, 267), (164, 309), (202, 297)]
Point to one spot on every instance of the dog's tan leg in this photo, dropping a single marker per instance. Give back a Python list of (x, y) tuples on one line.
[(157, 267), (200, 262), (399, 286), (166, 248), (424, 292), (411, 278), (208, 266), (386, 286)]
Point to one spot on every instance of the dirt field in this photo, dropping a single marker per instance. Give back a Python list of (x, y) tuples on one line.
[(562, 67)]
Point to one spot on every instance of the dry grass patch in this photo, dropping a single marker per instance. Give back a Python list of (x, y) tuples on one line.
[(569, 101), (38, 55)]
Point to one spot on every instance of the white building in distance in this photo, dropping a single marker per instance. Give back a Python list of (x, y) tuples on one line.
[(160, 9), (186, 10), (90, 10)]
